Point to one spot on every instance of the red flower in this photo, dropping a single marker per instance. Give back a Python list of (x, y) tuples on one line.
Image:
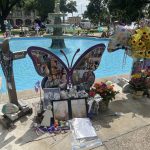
[(104, 90), (92, 93)]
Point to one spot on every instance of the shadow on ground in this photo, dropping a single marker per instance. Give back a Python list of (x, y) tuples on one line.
[(28, 136), (121, 107), (3, 140), (7, 136)]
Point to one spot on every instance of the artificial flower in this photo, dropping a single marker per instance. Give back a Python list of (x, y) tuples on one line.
[(104, 89)]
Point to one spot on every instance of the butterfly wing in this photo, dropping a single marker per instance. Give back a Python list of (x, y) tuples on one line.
[(82, 71), (50, 66)]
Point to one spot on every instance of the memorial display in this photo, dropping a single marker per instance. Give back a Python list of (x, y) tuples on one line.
[(66, 86)]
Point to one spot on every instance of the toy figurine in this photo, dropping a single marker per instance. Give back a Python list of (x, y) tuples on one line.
[(47, 117), (62, 123), (56, 123)]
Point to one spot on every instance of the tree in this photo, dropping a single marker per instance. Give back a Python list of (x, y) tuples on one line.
[(5, 8), (29, 4), (146, 11), (71, 7), (47, 6), (127, 10), (44, 7), (94, 10), (63, 6), (68, 6), (122, 10)]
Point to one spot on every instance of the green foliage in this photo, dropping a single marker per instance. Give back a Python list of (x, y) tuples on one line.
[(68, 6), (71, 7), (5, 8), (30, 4), (94, 10), (127, 10), (47, 6), (63, 6), (44, 7), (122, 10)]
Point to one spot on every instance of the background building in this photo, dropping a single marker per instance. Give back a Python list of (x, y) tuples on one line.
[(20, 17), (74, 20)]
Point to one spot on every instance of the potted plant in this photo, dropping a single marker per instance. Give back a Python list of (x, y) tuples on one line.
[(138, 83), (106, 91)]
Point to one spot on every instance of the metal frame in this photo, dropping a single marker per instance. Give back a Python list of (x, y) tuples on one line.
[(69, 105)]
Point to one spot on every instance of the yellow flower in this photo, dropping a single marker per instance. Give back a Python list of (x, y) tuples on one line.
[(136, 76), (140, 43)]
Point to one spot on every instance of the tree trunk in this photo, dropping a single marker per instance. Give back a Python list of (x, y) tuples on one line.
[(3, 29)]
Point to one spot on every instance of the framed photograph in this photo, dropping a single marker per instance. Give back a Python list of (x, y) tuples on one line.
[(60, 110), (79, 108), (51, 94)]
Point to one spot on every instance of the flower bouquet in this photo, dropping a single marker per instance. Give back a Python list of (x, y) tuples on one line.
[(140, 43), (139, 83), (106, 92)]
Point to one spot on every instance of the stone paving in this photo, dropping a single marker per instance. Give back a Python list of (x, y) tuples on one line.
[(129, 129)]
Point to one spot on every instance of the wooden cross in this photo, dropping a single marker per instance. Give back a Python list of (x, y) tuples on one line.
[(6, 61)]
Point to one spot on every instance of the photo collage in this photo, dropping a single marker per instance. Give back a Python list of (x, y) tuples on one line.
[(49, 66), (83, 76)]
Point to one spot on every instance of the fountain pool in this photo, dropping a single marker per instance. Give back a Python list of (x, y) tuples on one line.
[(26, 76)]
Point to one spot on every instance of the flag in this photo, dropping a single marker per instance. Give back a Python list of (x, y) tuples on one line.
[(37, 86)]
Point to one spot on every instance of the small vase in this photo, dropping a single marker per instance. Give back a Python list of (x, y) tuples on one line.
[(138, 94), (103, 106)]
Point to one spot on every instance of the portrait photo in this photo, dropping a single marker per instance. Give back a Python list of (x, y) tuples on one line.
[(60, 110), (79, 109), (52, 93)]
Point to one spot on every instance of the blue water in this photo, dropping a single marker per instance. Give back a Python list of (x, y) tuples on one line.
[(26, 76)]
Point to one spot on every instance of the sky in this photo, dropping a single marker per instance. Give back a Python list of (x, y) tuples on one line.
[(81, 7)]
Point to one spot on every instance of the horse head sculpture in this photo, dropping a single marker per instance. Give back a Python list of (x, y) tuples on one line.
[(120, 38), (136, 41)]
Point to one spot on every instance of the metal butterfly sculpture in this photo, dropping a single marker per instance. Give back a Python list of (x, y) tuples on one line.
[(57, 74)]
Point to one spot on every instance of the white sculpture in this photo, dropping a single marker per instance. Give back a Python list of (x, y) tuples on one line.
[(47, 117)]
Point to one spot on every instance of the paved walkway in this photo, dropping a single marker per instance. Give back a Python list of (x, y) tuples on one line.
[(129, 130)]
